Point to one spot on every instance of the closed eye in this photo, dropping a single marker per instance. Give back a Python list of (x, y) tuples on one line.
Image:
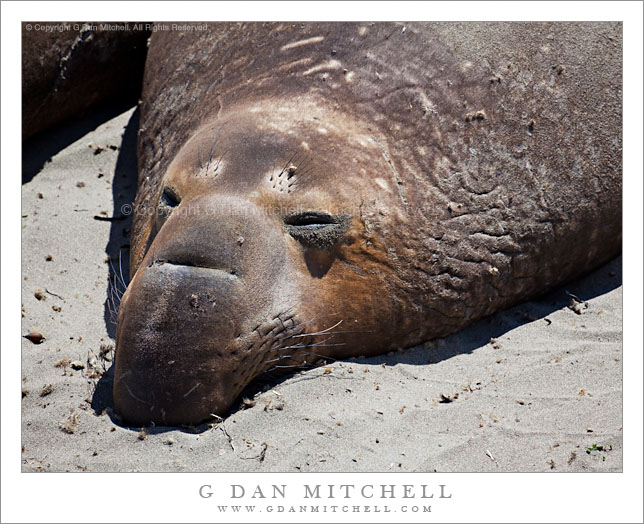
[(311, 219), (317, 229)]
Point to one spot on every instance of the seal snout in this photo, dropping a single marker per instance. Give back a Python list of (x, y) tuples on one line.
[(174, 343), (183, 352)]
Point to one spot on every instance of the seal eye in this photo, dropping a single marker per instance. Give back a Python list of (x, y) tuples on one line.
[(316, 229), (170, 198), (310, 220)]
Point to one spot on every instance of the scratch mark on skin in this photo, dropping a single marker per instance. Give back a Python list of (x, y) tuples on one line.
[(123, 375), (212, 150), (192, 389), (134, 396), (395, 173), (312, 40), (293, 65), (63, 64), (331, 64)]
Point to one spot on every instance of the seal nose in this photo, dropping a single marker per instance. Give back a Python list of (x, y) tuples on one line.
[(185, 320), (174, 332)]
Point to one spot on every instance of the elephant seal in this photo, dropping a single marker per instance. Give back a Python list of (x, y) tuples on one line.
[(68, 67), (330, 190)]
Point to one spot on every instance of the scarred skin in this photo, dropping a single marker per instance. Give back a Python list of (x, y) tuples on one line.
[(452, 170)]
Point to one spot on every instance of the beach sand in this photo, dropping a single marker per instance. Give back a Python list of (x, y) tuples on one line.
[(534, 388)]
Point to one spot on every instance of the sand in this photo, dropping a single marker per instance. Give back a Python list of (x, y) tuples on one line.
[(535, 388)]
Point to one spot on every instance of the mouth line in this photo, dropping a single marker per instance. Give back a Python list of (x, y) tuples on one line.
[(192, 265)]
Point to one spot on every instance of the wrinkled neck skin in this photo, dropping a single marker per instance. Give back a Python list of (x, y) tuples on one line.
[(260, 258)]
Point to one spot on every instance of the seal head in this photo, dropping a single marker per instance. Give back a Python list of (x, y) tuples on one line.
[(255, 261)]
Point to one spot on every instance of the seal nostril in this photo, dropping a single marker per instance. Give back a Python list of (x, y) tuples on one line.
[(181, 262)]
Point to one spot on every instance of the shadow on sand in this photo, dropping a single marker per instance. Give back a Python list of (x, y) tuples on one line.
[(118, 250), (39, 149)]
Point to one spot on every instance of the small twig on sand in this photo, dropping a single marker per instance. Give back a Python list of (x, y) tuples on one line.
[(53, 294), (110, 219), (220, 425), (261, 456)]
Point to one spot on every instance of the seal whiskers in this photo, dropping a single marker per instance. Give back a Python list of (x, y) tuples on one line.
[(115, 279)]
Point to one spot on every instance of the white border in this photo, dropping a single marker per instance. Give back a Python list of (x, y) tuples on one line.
[(174, 498)]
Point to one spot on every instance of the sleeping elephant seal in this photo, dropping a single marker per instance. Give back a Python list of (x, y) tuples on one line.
[(315, 191)]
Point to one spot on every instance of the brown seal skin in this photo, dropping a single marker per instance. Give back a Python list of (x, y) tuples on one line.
[(314, 191), (66, 72)]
